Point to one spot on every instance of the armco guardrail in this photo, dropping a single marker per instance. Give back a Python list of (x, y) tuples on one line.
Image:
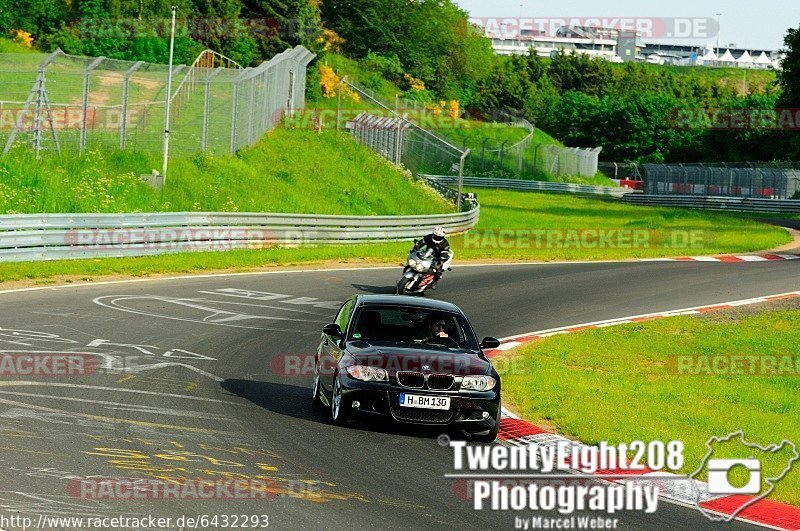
[(535, 186), (731, 204), (33, 237)]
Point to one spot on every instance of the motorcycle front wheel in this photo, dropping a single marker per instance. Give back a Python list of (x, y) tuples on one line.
[(404, 286)]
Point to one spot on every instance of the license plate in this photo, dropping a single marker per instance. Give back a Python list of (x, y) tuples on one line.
[(425, 402)]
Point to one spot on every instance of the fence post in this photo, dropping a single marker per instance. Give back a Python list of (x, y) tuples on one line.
[(461, 178), (251, 111), (85, 105), (207, 106), (123, 125), (235, 110), (502, 154), (339, 104)]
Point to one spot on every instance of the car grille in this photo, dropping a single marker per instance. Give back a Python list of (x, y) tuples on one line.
[(415, 380), (430, 416), (440, 382)]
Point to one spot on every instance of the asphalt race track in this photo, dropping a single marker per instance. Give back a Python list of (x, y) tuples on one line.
[(194, 382)]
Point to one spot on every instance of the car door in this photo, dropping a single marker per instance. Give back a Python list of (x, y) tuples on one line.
[(331, 351)]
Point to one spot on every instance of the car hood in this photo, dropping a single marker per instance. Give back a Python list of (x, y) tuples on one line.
[(398, 357)]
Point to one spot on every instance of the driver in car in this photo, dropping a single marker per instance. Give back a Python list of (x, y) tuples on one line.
[(436, 334)]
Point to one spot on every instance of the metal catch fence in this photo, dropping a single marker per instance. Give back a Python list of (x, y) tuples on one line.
[(61, 102), (722, 180)]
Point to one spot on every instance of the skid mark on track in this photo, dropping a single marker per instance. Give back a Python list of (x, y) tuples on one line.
[(24, 410)]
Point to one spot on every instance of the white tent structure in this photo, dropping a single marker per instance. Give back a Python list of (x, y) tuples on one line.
[(708, 58), (745, 61), (763, 60), (727, 57)]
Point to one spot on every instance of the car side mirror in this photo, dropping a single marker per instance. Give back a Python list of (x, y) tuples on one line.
[(490, 342), (332, 330)]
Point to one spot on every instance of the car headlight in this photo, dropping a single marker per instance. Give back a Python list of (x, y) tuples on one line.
[(478, 383), (368, 374)]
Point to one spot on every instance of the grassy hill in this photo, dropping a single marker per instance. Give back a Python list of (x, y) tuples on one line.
[(9, 46), (484, 138), (293, 171)]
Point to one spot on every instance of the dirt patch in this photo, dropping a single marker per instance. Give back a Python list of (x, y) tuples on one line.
[(111, 80), (793, 245)]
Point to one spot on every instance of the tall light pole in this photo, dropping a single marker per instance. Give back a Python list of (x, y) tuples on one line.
[(719, 31), (169, 96)]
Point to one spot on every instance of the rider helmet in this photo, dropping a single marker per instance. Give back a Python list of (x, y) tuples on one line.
[(438, 234)]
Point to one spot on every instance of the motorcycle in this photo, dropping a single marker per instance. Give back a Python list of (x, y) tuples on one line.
[(419, 273)]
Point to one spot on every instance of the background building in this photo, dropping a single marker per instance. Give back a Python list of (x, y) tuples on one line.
[(621, 46)]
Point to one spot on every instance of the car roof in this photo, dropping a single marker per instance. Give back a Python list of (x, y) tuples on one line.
[(405, 300)]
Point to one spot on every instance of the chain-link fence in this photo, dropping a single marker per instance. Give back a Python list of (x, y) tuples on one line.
[(528, 158), (504, 158), (759, 180), (422, 150), (63, 102)]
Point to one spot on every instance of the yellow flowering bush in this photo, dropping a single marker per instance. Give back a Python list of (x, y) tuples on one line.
[(455, 108), (22, 37), (329, 82), (332, 41), (414, 84)]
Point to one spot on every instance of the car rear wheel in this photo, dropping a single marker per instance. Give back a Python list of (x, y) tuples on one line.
[(338, 411)]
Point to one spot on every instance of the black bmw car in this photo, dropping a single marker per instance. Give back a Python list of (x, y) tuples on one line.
[(412, 360)]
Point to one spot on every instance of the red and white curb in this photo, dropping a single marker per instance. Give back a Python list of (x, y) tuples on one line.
[(683, 491), (511, 342), (686, 492), (766, 257)]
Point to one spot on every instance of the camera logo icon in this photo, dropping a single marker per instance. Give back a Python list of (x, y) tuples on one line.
[(741, 481), (719, 476)]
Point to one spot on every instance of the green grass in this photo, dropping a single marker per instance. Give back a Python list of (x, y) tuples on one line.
[(10, 46), (629, 375), (500, 210), (291, 171), (517, 161), (472, 133), (356, 72), (714, 233)]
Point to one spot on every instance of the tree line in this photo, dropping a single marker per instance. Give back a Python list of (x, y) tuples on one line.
[(428, 48)]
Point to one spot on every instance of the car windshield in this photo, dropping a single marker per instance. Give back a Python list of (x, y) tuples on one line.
[(423, 326)]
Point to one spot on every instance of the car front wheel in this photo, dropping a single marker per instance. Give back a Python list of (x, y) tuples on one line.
[(316, 391), (338, 411)]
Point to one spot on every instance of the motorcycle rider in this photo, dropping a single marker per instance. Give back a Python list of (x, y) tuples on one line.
[(441, 248)]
